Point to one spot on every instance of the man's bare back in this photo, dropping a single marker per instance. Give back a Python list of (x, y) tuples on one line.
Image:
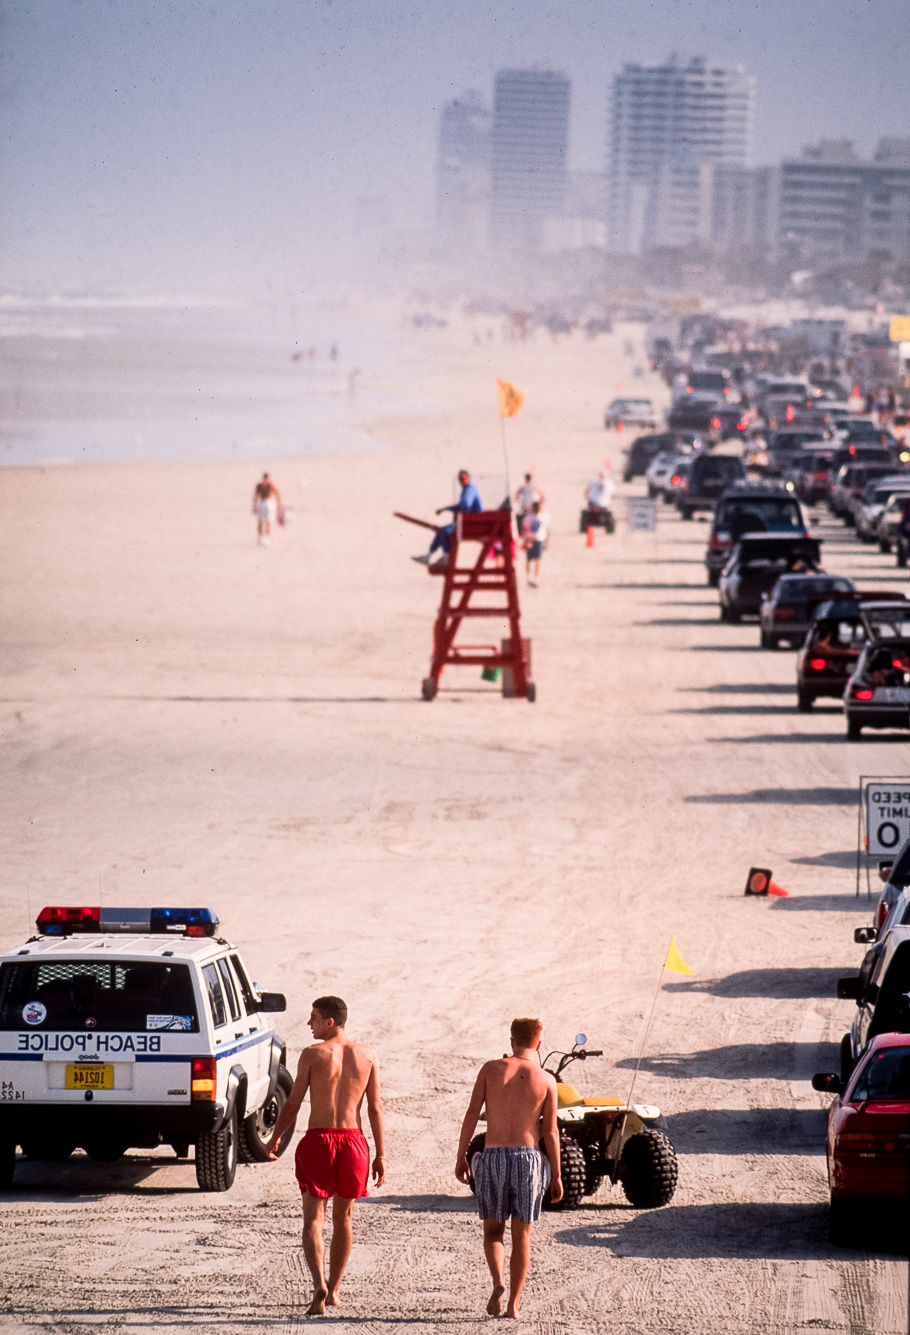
[(337, 1075), (515, 1091)]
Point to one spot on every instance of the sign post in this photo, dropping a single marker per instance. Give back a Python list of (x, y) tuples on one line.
[(641, 514), (884, 819)]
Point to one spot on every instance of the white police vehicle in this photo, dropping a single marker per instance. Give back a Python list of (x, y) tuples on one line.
[(136, 1027)]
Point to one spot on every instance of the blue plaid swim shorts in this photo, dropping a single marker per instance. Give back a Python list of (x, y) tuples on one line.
[(510, 1181)]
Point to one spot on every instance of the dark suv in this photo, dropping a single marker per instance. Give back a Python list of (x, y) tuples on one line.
[(751, 508), (645, 449), (708, 478)]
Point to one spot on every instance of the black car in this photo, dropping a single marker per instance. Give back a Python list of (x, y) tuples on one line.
[(787, 611), (751, 507), (714, 382), (708, 478), (706, 418), (757, 563), (810, 473), (645, 449)]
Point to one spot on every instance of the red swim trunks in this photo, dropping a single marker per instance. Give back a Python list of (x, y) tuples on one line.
[(333, 1162)]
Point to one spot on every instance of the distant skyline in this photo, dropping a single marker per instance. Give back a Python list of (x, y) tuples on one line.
[(206, 144)]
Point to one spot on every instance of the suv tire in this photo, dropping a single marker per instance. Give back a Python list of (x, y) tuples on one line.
[(7, 1164), (573, 1172), (216, 1156), (854, 730), (648, 1169), (713, 579), (804, 699), (256, 1130)]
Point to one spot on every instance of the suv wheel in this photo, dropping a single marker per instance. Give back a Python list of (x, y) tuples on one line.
[(7, 1164), (256, 1130), (216, 1156), (713, 578)]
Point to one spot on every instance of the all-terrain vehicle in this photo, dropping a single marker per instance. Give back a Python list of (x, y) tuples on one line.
[(605, 1137)]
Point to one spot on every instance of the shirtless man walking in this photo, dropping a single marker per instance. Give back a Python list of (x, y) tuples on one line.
[(266, 500), (511, 1173), (333, 1158)]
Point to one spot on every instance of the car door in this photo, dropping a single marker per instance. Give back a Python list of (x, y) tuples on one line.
[(259, 1034)]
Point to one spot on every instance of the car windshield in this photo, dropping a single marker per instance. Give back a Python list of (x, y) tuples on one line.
[(888, 623), (886, 1075), (839, 633), (720, 466), (103, 995), (767, 511)]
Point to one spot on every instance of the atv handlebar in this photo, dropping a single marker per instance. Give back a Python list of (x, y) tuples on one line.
[(577, 1054)]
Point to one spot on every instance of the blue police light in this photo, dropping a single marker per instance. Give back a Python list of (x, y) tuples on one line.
[(192, 922)]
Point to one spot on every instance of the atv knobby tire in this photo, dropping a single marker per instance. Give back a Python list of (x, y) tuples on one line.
[(648, 1169), (573, 1172)]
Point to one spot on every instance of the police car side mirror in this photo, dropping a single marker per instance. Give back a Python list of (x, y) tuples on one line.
[(272, 1001), (848, 989), (827, 1082), (863, 935)]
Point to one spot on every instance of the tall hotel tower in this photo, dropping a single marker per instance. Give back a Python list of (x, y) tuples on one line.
[(528, 161), (680, 141)]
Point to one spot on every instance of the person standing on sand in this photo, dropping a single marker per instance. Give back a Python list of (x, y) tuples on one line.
[(333, 1158), (535, 533), (511, 1173), (266, 500), (525, 496)]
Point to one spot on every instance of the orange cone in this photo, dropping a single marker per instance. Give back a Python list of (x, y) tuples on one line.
[(775, 889), (760, 882), (590, 540)]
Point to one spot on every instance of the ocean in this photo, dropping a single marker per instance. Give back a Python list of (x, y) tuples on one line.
[(101, 379)]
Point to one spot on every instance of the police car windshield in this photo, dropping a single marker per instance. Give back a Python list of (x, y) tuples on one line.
[(886, 1076), (99, 995)]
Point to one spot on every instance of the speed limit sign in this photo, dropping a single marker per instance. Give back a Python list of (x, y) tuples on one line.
[(888, 816)]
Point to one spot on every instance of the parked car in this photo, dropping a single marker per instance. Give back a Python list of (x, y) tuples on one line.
[(891, 519), (786, 612), (809, 473), (902, 534), (878, 692), (880, 991), (848, 484), (662, 469), (707, 478), (630, 412), (757, 563), (868, 1137), (831, 649), (712, 382), (751, 507), (832, 388), (871, 505), (645, 449)]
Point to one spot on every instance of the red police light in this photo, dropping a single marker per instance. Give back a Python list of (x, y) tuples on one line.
[(61, 921)]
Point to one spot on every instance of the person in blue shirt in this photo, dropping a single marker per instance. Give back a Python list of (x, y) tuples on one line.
[(468, 502)]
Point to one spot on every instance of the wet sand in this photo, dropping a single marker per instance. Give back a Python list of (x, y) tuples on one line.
[(188, 717)]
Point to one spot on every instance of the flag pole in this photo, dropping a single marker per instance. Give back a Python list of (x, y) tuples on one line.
[(505, 455), (614, 1172)]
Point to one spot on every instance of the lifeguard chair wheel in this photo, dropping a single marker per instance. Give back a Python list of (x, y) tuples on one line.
[(428, 688), (532, 692)]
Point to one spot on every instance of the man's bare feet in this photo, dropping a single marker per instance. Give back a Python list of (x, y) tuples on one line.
[(494, 1306), (332, 1299), (513, 1313), (317, 1306)]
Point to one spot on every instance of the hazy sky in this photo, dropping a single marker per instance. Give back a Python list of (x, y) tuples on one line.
[(184, 143)]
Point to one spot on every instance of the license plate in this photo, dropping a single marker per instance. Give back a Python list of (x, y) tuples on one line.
[(90, 1076), (893, 695)]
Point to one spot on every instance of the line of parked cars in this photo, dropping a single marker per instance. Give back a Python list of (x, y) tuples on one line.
[(868, 1136)]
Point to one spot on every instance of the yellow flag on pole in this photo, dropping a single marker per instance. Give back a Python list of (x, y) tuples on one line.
[(674, 961), (510, 398)]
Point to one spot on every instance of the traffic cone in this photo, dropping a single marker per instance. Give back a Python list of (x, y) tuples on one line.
[(590, 540), (760, 882)]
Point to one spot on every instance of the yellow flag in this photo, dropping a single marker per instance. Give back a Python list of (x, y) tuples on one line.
[(510, 398), (675, 961)]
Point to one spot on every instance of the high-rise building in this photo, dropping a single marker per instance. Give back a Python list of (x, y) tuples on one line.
[(529, 149), (829, 207), (463, 174), (671, 127)]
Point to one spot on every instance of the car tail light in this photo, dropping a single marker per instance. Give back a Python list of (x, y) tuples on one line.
[(862, 695), (675, 480), (820, 477), (715, 423), (742, 424), (818, 664), (867, 1142), (790, 412), (720, 542), (204, 1080)]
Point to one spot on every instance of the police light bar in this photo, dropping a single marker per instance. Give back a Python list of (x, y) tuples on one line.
[(64, 921)]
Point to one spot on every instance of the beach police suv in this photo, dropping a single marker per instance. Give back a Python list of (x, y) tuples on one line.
[(128, 1028)]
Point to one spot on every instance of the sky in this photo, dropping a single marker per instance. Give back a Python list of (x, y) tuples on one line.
[(192, 145)]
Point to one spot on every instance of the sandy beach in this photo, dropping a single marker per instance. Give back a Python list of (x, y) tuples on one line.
[(190, 718)]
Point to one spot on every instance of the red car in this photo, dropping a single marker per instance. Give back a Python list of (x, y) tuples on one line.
[(869, 1131)]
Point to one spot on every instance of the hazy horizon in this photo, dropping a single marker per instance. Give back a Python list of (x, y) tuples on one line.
[(206, 147)]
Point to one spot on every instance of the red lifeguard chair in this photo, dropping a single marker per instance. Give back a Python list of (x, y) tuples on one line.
[(476, 591)]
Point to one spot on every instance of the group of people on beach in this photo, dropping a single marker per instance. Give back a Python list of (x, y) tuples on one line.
[(510, 1174)]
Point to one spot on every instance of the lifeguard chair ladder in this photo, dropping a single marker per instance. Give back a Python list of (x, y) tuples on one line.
[(493, 572)]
